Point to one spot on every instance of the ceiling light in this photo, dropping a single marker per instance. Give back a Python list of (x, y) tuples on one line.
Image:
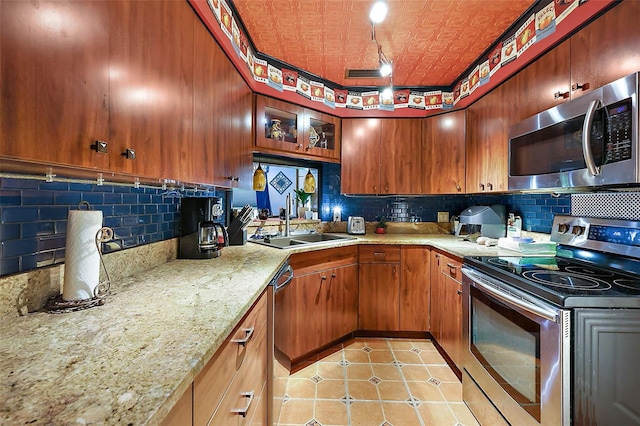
[(378, 11), (385, 68)]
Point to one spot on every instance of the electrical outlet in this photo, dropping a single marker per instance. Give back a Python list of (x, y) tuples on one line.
[(336, 215), (443, 216)]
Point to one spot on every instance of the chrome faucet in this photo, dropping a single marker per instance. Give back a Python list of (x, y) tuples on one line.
[(287, 220)]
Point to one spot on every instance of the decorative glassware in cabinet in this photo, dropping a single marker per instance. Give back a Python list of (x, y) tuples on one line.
[(321, 135), (280, 125)]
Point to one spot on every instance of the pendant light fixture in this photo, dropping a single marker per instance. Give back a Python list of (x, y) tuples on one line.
[(309, 185), (378, 11), (259, 179)]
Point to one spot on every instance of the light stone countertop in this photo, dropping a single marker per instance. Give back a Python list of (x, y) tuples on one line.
[(129, 361)]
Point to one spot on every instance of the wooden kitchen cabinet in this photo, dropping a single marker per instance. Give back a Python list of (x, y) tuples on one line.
[(237, 370), (55, 93), (379, 281), (443, 153), (222, 104), (446, 303), (182, 412), (320, 305), (151, 97), (381, 156), (415, 287), (282, 127)]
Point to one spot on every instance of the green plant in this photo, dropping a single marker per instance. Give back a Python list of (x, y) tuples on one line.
[(382, 222), (302, 197)]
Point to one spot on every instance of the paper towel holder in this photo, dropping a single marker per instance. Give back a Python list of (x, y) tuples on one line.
[(58, 305)]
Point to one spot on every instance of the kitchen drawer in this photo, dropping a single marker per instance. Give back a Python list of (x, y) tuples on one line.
[(214, 379), (451, 268), (250, 379), (379, 254)]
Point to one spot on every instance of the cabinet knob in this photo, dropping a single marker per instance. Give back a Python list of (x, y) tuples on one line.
[(232, 178), (490, 186), (100, 147), (129, 154), (576, 86), (559, 94), (299, 146), (459, 292), (323, 278), (481, 186), (333, 275), (457, 184)]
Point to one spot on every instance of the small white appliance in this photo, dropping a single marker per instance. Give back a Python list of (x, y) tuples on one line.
[(356, 225)]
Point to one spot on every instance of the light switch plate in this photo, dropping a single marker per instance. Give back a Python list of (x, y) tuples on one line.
[(443, 216)]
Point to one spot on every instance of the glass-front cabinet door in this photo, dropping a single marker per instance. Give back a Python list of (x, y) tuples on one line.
[(292, 129)]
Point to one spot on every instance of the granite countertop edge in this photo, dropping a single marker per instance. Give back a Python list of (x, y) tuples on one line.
[(129, 361)]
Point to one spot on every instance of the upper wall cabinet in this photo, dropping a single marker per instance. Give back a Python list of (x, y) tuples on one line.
[(284, 128), (443, 153), (222, 118), (381, 156), (55, 81)]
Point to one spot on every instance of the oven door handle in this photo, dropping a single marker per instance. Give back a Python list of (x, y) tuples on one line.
[(479, 282)]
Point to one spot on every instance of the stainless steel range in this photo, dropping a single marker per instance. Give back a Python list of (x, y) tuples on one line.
[(555, 340)]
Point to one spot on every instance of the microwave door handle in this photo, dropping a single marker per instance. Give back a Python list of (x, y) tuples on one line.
[(510, 299), (586, 137)]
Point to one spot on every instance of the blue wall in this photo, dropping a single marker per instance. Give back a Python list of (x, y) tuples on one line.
[(33, 217), (33, 213)]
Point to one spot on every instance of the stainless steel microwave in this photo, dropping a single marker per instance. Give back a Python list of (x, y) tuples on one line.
[(590, 141)]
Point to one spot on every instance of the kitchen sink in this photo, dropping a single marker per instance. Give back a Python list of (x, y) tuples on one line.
[(301, 240)]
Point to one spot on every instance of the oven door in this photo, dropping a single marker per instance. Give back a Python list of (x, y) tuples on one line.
[(518, 351)]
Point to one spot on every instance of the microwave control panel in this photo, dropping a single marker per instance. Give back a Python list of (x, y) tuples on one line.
[(619, 127)]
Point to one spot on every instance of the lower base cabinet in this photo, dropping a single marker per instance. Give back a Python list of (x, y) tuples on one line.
[(319, 306), (446, 305), (232, 388)]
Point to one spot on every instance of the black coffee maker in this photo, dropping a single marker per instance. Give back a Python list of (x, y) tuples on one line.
[(201, 236)]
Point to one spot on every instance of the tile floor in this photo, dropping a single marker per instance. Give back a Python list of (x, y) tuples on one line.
[(376, 382)]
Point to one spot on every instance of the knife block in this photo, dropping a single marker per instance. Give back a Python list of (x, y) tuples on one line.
[(239, 238)]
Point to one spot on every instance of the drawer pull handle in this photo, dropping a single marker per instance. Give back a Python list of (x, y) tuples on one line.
[(459, 292), (452, 266), (247, 337), (243, 411), (379, 253)]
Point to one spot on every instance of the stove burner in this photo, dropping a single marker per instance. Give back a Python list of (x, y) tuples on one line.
[(567, 280), (589, 272), (500, 262), (629, 284)]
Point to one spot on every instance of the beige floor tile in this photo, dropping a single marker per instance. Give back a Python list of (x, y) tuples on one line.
[(363, 390), (463, 415), (452, 392), (377, 343), (354, 344), (359, 371), (306, 372), (296, 411), (436, 414), (408, 357), (386, 371), (331, 389), (426, 392), (334, 357), (356, 355), (400, 344), (443, 373), (425, 345), (301, 388), (432, 357), (415, 373), (366, 413), (330, 370), (393, 391), (400, 414), (383, 356), (331, 413)]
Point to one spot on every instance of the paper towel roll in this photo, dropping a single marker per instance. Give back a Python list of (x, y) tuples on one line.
[(82, 260)]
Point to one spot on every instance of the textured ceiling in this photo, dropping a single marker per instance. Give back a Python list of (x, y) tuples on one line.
[(431, 42)]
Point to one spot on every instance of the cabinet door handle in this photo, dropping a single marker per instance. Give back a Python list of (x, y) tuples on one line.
[(559, 94), (333, 275), (459, 292), (232, 178), (452, 266), (490, 186), (299, 146), (243, 411), (323, 278), (457, 184), (248, 333), (481, 186), (577, 86)]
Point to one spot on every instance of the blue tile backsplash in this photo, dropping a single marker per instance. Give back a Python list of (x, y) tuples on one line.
[(33, 217), (33, 213)]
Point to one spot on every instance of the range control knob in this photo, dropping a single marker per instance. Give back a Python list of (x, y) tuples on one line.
[(563, 228), (577, 230)]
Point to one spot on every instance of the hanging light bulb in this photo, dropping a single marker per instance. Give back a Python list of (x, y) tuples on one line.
[(385, 68), (309, 185), (378, 11), (259, 179), (387, 93)]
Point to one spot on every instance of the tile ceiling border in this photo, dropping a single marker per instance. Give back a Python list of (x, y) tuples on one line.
[(542, 29)]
